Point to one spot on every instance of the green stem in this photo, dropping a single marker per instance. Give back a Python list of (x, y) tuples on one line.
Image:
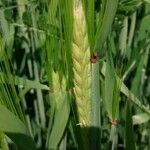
[(132, 29), (95, 121), (123, 37), (39, 141), (39, 92), (113, 137)]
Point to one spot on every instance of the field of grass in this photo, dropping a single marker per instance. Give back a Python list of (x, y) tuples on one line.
[(75, 74)]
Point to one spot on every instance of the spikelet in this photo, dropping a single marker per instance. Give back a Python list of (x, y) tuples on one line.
[(59, 87), (81, 64)]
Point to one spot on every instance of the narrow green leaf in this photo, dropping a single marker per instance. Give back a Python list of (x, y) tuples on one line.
[(8, 94), (8, 31), (144, 28), (60, 122), (117, 83), (15, 129), (73, 129), (104, 26), (128, 93), (22, 82), (89, 8), (116, 96), (30, 84), (134, 99), (136, 86), (109, 84)]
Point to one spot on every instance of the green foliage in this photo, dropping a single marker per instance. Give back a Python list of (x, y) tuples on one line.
[(15, 129), (127, 7), (38, 108), (56, 132)]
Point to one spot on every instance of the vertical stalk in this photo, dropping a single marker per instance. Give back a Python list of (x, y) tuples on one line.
[(123, 37), (39, 141), (113, 136), (95, 96), (39, 92), (132, 29), (95, 115)]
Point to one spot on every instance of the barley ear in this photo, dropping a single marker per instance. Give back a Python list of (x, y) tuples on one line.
[(81, 65), (58, 87)]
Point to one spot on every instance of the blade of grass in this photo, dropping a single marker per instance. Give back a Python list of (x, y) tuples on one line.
[(132, 29), (22, 82), (95, 113), (7, 32), (105, 23), (109, 83), (8, 94), (60, 123), (128, 93), (15, 129), (123, 37), (137, 80)]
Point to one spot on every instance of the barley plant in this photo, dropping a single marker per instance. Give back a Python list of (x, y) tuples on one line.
[(74, 74)]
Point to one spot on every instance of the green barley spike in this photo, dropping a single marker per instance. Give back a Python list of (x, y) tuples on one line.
[(59, 87), (81, 65)]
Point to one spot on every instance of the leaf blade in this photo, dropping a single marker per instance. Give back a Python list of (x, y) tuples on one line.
[(15, 129)]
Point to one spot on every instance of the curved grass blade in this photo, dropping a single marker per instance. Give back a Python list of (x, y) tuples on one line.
[(60, 122), (109, 83), (15, 129), (128, 93), (105, 23), (22, 82)]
